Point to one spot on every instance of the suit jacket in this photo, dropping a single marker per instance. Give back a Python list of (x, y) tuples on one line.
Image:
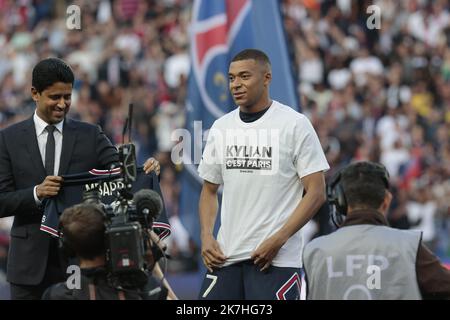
[(84, 147)]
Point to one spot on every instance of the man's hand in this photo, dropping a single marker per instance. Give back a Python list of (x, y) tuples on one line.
[(49, 187), (266, 251), (152, 165), (315, 196), (212, 255)]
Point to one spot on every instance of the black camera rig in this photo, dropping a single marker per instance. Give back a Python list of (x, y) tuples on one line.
[(128, 223)]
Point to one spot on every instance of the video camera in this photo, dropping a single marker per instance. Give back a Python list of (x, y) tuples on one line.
[(129, 220)]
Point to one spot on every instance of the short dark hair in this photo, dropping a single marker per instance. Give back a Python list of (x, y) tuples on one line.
[(364, 184), (49, 71), (255, 54), (83, 230)]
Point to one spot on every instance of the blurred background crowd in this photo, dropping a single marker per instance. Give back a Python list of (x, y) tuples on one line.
[(381, 94)]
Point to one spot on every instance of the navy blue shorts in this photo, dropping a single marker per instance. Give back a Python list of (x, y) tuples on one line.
[(244, 281)]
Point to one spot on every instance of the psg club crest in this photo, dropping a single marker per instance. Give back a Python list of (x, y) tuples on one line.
[(220, 29)]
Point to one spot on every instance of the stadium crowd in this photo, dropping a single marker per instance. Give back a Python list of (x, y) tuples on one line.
[(382, 95), (372, 94)]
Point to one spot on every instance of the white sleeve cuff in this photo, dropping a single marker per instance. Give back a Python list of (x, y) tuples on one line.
[(36, 199)]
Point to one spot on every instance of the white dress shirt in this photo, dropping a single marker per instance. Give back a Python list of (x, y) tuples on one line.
[(41, 135)]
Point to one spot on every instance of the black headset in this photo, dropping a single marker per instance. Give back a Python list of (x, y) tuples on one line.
[(336, 193), (65, 249)]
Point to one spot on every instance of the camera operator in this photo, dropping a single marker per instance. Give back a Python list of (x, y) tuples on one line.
[(365, 258), (83, 228)]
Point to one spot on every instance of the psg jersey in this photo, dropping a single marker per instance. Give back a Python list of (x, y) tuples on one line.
[(108, 183)]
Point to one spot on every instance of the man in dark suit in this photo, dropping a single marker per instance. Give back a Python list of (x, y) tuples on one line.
[(33, 155)]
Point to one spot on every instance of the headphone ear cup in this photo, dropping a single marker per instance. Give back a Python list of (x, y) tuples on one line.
[(65, 249), (340, 200)]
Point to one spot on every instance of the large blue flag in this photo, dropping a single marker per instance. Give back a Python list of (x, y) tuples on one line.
[(219, 30)]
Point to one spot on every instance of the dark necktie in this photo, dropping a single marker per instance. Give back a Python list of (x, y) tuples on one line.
[(50, 151)]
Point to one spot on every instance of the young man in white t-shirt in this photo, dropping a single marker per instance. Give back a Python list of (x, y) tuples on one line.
[(265, 155)]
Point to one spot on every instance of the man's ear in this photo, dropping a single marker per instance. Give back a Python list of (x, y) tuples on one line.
[(267, 78), (34, 94), (386, 202)]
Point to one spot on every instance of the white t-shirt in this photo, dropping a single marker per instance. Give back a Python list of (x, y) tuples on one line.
[(260, 165)]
